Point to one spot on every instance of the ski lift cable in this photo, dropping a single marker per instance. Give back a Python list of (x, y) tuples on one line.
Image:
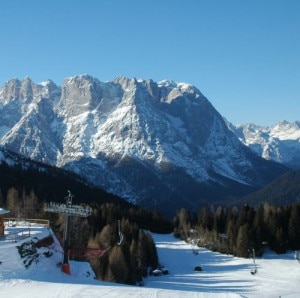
[(104, 252)]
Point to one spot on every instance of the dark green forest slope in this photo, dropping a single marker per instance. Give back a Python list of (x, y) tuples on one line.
[(24, 190), (239, 230), (282, 191)]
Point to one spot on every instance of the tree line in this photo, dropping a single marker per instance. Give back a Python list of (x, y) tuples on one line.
[(127, 262), (123, 260), (239, 230), (228, 230)]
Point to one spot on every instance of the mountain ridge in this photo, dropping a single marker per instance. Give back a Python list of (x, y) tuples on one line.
[(282, 191), (151, 143), (279, 142), (49, 183)]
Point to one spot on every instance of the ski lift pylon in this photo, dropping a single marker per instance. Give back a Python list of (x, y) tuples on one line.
[(254, 270), (195, 251), (297, 255)]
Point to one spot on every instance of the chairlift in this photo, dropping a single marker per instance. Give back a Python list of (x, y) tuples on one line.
[(100, 252), (121, 237)]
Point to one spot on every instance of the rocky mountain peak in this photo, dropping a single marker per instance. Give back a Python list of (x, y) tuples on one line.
[(152, 143), (10, 91), (27, 89), (79, 94), (279, 142), (50, 89)]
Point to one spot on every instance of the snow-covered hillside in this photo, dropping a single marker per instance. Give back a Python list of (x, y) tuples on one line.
[(280, 142), (221, 275)]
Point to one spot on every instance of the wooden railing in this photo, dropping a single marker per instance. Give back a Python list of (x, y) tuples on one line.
[(10, 221), (19, 234)]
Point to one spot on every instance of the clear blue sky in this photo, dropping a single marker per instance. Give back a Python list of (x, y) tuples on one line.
[(243, 55)]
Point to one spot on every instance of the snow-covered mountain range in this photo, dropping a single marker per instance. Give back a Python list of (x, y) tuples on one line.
[(156, 144), (280, 142)]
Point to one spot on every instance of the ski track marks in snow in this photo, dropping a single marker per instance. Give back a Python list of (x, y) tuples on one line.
[(223, 276), (278, 275), (215, 277)]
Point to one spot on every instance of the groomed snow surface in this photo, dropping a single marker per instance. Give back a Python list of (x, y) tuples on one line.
[(221, 275)]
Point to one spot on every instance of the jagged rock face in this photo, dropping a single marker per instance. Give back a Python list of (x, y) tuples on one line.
[(280, 142), (152, 143), (26, 124)]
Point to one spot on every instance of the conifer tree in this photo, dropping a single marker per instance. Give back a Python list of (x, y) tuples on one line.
[(246, 215), (231, 236), (142, 255), (1, 198), (184, 223), (281, 241), (294, 227), (101, 267), (205, 219), (151, 252), (118, 265), (12, 202), (242, 242), (219, 221), (258, 231), (107, 236), (133, 259)]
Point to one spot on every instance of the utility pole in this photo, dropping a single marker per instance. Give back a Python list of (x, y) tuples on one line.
[(253, 271), (67, 210)]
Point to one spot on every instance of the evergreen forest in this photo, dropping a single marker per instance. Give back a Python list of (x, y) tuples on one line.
[(230, 230), (238, 231)]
